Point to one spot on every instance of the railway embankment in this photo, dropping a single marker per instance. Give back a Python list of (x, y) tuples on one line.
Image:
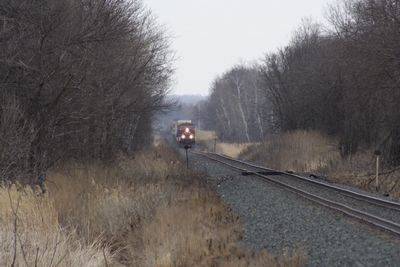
[(282, 222), (143, 211), (314, 153)]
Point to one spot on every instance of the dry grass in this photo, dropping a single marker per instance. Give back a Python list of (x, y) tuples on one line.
[(310, 151), (205, 140), (205, 135), (31, 236), (198, 231), (146, 211), (232, 150), (298, 151), (360, 171)]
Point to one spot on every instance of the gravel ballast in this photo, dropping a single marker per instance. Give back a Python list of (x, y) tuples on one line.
[(280, 221)]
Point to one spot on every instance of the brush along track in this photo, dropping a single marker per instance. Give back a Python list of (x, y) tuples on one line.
[(381, 213)]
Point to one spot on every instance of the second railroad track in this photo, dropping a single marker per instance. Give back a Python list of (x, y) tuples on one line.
[(379, 212)]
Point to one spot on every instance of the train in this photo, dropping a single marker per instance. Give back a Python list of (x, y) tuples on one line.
[(184, 132)]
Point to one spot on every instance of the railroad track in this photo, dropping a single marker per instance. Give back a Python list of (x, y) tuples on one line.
[(381, 213)]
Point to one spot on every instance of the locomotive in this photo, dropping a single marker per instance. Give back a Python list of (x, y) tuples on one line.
[(184, 132)]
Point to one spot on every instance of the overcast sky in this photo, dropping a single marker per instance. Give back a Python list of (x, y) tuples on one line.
[(210, 36)]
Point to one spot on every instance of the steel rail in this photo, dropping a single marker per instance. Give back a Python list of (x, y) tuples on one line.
[(371, 219), (356, 195)]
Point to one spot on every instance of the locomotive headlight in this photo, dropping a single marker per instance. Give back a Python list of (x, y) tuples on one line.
[(183, 136), (191, 136), (187, 130)]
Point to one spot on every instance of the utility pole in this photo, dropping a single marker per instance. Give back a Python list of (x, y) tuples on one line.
[(187, 147)]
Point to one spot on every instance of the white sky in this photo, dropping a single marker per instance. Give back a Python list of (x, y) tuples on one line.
[(210, 36)]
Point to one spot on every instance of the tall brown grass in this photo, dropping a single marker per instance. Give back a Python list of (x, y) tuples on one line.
[(205, 135), (31, 235), (205, 140), (300, 151), (311, 151), (146, 211)]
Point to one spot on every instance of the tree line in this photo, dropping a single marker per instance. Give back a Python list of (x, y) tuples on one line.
[(342, 79), (79, 79)]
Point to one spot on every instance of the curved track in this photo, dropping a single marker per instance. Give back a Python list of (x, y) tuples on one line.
[(349, 202)]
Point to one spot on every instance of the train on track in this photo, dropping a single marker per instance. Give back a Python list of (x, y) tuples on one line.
[(184, 132)]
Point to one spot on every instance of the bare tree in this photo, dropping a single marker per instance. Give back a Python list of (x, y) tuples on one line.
[(87, 76)]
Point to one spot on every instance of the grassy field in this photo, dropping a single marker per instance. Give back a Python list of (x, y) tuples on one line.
[(144, 211), (309, 151)]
